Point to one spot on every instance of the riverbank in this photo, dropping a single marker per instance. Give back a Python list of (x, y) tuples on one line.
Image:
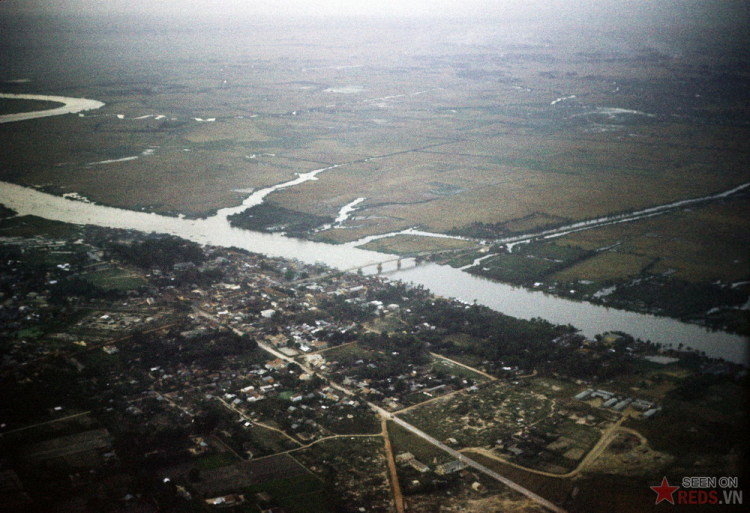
[(443, 280)]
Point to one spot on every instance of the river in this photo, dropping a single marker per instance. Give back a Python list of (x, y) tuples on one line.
[(443, 280)]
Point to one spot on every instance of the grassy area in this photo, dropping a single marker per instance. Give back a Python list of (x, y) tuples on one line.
[(271, 218), (415, 244), (450, 368), (688, 424), (115, 279), (701, 244), (32, 332), (608, 265), (389, 323), (481, 153), (99, 361), (551, 488), (514, 268), (298, 485), (216, 460), (348, 353), (553, 387), (405, 441), (14, 106), (463, 259), (29, 226), (354, 470), (300, 493), (581, 440), (265, 441), (530, 262), (480, 418)]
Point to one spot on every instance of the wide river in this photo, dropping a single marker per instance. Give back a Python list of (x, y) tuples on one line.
[(443, 280)]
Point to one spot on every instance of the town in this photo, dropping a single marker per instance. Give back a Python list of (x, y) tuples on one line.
[(144, 370)]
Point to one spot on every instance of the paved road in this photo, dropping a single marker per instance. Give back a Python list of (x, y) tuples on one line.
[(389, 416), (477, 466)]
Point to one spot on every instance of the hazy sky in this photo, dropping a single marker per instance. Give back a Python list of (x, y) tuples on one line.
[(499, 8), (320, 7)]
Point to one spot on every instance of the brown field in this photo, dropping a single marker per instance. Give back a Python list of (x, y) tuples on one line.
[(706, 243), (441, 136), (609, 265)]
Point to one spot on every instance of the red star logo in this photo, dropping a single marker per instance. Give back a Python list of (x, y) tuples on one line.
[(664, 491)]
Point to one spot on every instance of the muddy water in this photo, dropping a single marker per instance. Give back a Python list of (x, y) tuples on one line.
[(442, 280)]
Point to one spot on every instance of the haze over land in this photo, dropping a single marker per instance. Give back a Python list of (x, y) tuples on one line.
[(502, 119)]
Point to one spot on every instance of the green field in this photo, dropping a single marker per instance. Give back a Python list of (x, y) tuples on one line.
[(115, 279), (301, 493), (404, 441), (29, 226), (551, 488), (217, 460), (414, 244), (450, 368), (14, 106)]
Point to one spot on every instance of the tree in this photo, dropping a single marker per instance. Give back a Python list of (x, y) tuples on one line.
[(194, 475)]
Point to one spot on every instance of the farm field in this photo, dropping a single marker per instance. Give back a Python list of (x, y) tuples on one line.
[(463, 137), (701, 244), (13, 106), (415, 244), (482, 137)]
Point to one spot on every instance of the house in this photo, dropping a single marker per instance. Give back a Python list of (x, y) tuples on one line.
[(263, 497), (276, 364), (255, 396), (603, 394), (404, 457), (226, 500), (622, 404), (642, 404), (418, 465), (478, 487), (315, 360), (450, 467)]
